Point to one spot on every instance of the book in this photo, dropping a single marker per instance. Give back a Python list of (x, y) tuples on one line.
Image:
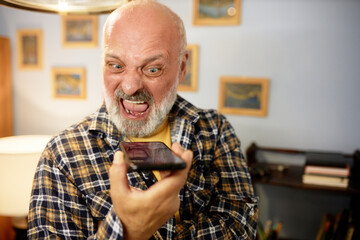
[(328, 159), (270, 231), (332, 181), (325, 170), (342, 225), (322, 227), (350, 232), (336, 227)]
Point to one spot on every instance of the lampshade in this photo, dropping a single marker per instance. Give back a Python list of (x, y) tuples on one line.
[(66, 6), (19, 156)]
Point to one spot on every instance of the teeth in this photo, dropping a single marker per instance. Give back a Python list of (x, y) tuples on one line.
[(134, 102), (132, 113)]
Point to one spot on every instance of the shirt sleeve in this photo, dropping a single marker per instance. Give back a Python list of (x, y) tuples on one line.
[(110, 228), (59, 211), (222, 204)]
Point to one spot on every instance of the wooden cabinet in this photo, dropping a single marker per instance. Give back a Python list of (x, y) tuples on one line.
[(6, 229), (6, 102), (6, 116), (290, 176)]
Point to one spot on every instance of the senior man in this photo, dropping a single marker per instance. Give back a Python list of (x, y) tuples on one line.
[(83, 188)]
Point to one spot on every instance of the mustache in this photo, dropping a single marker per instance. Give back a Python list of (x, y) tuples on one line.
[(142, 95)]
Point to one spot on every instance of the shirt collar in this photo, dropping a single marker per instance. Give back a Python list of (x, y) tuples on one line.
[(103, 127), (185, 110)]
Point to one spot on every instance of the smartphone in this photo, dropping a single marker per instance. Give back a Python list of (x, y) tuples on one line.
[(143, 156)]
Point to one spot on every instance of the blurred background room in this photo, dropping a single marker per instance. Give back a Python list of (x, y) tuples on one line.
[(307, 51)]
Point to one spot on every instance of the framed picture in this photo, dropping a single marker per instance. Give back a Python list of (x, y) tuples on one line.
[(244, 96), (216, 12), (80, 31), (69, 83), (191, 79), (30, 49)]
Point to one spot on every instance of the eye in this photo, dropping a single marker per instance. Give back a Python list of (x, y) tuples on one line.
[(114, 67), (153, 71)]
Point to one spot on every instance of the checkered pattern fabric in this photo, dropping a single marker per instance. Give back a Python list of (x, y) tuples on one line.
[(71, 200)]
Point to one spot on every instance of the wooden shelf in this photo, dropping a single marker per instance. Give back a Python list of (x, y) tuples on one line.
[(292, 177), (289, 174)]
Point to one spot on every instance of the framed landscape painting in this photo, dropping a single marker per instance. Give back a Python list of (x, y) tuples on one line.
[(80, 31), (216, 12), (30, 49), (190, 82), (69, 83), (244, 96)]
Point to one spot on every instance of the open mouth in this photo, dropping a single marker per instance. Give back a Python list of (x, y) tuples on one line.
[(135, 108)]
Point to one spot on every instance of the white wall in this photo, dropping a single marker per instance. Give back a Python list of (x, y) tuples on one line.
[(310, 50), (35, 111)]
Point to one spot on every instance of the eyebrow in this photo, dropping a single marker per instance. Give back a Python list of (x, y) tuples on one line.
[(111, 56), (146, 60)]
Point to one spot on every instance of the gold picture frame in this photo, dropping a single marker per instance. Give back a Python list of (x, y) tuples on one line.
[(244, 95), (215, 12), (30, 49), (190, 82), (80, 31), (69, 83)]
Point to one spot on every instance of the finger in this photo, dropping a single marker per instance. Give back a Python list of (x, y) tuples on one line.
[(118, 173), (187, 155), (177, 149), (176, 180)]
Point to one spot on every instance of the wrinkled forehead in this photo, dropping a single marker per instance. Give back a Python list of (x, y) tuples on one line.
[(140, 31)]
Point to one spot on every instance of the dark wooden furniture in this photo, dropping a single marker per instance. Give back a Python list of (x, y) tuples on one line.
[(6, 112), (291, 176), (6, 116)]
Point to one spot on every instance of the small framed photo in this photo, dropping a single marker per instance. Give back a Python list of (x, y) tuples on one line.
[(216, 12), (30, 49), (69, 83), (80, 31), (244, 96), (190, 82)]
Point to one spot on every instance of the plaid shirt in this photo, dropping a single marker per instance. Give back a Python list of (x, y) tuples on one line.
[(71, 199)]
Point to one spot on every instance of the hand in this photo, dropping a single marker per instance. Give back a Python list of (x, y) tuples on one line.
[(142, 213)]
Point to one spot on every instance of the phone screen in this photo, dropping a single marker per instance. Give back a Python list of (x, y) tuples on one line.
[(151, 156)]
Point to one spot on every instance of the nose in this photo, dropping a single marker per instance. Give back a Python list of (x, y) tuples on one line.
[(131, 82)]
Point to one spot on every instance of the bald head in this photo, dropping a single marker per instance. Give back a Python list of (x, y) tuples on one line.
[(147, 13)]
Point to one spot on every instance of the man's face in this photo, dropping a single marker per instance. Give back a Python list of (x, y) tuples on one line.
[(141, 70)]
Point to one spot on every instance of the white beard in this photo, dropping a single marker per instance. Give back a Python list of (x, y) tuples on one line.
[(140, 128)]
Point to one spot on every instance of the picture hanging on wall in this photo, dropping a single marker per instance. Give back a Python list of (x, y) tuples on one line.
[(215, 12), (244, 96), (190, 82), (80, 31), (69, 83), (30, 49)]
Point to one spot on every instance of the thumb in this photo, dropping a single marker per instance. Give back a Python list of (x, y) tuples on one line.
[(118, 174)]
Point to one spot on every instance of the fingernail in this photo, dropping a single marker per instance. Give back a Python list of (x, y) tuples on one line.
[(117, 157)]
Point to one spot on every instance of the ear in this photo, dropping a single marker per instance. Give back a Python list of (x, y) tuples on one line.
[(183, 65)]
